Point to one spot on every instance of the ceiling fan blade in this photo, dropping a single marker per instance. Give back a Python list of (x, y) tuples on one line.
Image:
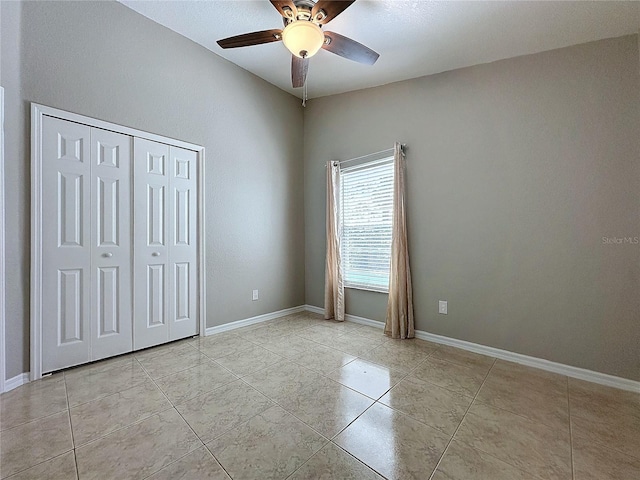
[(347, 48), (280, 5), (331, 8), (253, 38), (299, 68)]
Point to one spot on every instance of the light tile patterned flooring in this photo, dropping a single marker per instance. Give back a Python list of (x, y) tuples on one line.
[(304, 398)]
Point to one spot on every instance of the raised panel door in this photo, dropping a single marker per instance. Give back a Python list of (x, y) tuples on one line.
[(66, 243), (151, 249), (183, 319), (111, 307)]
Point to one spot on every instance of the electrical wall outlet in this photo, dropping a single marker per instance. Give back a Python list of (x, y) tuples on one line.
[(442, 307), (255, 295)]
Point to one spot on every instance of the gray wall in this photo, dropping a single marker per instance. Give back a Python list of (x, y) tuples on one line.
[(516, 170), (106, 61), (16, 181)]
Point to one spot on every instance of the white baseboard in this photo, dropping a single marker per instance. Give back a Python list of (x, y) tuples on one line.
[(16, 381), (549, 366), (364, 321), (312, 309), (348, 317), (542, 364), (253, 320)]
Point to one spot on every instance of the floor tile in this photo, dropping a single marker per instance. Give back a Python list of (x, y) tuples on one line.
[(306, 322), (249, 328), (592, 401), (320, 334), (461, 462), (333, 463), (544, 405), (401, 359), (367, 378), (354, 344), (393, 444), (217, 347), (272, 444), (213, 413), (326, 406), (180, 346), (229, 334), (462, 380), (249, 361), (281, 380), (182, 386), (137, 450), (410, 344), (295, 325), (289, 346), (99, 365), (463, 357), (198, 465), (88, 385), (265, 334), (62, 467), (31, 443), (172, 361), (428, 403), (323, 359), (594, 462), (340, 327), (92, 420), (346, 326), (372, 333), (527, 445), (522, 376), (31, 401), (620, 433), (296, 406)]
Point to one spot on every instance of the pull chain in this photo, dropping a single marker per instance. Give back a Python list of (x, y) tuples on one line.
[(304, 85), (304, 93)]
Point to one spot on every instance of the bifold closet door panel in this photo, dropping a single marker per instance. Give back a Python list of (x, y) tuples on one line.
[(183, 319), (66, 243), (151, 252), (111, 305)]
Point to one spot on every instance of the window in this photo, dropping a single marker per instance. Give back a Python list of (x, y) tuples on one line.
[(367, 215)]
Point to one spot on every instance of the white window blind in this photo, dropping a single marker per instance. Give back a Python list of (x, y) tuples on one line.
[(367, 215)]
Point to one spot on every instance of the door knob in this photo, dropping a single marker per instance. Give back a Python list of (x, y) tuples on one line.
[(107, 255), (155, 254)]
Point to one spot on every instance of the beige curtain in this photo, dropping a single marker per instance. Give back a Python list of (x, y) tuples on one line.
[(399, 323), (333, 281)]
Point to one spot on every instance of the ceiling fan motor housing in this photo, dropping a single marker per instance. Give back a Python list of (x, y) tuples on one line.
[(304, 8)]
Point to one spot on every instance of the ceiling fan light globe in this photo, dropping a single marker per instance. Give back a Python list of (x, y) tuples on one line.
[(303, 38)]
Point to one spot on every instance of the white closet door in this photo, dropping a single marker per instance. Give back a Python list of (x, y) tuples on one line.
[(151, 252), (183, 320), (111, 330), (66, 243)]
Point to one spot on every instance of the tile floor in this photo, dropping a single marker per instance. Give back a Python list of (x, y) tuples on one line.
[(304, 398)]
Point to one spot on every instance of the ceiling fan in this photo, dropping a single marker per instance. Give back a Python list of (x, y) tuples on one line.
[(303, 35)]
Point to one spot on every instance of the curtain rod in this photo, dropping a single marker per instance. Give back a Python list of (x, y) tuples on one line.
[(388, 150)]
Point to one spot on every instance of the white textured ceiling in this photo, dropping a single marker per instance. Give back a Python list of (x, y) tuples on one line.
[(413, 38)]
